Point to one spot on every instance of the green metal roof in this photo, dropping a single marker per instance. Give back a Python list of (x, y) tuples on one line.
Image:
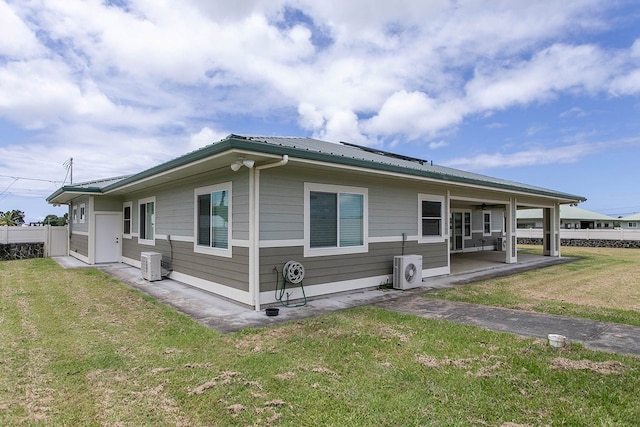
[(326, 152)]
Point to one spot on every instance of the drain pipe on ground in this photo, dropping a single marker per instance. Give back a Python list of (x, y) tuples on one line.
[(254, 226)]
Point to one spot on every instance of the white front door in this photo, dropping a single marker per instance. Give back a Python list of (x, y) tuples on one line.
[(107, 238)]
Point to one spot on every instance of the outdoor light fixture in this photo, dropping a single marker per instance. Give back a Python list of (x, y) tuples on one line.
[(235, 166)]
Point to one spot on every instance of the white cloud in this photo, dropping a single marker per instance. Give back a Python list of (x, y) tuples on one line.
[(532, 130), (534, 156), (342, 126), (541, 155), (414, 114), (16, 39), (628, 84), (551, 71), (205, 137), (152, 72), (438, 144), (574, 112), (310, 117)]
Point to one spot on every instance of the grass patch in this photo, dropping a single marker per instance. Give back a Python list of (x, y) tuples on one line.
[(80, 348), (601, 285)]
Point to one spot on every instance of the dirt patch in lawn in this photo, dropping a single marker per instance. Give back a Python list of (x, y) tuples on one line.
[(609, 367)]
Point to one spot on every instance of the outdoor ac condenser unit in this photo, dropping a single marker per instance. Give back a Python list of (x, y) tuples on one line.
[(407, 271), (150, 266)]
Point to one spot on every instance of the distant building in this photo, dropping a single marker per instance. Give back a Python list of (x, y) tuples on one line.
[(631, 222), (571, 217)]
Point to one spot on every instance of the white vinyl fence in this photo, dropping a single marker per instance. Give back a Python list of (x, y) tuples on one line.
[(55, 238), (586, 234)]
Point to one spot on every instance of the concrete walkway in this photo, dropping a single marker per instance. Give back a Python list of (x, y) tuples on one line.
[(227, 316), (611, 337)]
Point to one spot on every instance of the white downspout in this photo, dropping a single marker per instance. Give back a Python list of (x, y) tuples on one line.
[(254, 228)]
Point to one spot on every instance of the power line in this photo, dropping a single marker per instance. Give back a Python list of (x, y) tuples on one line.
[(28, 179), (8, 187)]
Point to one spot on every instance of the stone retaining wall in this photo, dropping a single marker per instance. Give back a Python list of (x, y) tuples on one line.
[(10, 251), (591, 243)]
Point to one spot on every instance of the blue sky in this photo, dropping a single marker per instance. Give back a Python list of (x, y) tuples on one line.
[(546, 92)]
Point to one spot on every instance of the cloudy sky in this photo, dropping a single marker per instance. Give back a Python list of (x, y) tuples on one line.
[(541, 92)]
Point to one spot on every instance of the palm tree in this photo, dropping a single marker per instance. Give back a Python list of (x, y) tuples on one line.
[(12, 218)]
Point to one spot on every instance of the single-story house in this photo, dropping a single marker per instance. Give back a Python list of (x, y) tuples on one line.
[(571, 217), (631, 222), (227, 217)]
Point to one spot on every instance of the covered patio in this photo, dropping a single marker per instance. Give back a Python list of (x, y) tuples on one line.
[(490, 261)]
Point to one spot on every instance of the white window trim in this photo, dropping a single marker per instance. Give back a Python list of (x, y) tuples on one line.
[(443, 219), (327, 188), (82, 215), (150, 242), (470, 236), (74, 214), (130, 206), (484, 233), (228, 253)]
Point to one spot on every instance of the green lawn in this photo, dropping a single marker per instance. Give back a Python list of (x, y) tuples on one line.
[(80, 348), (602, 285)]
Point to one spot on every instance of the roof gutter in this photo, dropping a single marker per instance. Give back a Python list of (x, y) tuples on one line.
[(254, 227)]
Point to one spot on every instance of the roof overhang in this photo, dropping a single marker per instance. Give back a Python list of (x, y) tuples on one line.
[(222, 154), (65, 195)]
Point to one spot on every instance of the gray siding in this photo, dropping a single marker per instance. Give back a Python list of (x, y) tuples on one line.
[(232, 272), (79, 244), (174, 203), (319, 270), (393, 203), (108, 204), (79, 226), (281, 204)]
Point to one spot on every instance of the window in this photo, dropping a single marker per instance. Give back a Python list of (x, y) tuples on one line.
[(83, 213), (431, 218), (632, 225), (126, 219), (146, 221), (213, 220), (335, 220), (467, 225), (486, 229), (74, 215)]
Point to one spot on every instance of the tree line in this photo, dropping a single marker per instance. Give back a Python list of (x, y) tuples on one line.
[(16, 218)]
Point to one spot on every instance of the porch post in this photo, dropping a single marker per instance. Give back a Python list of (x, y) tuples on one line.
[(511, 252), (551, 231), (555, 246)]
